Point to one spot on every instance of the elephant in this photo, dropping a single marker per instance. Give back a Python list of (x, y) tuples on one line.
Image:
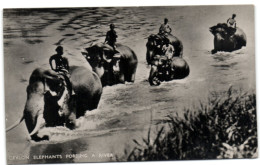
[(112, 66), (54, 99), (165, 70), (226, 38), (155, 40)]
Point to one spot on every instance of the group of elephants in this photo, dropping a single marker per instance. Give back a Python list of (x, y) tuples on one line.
[(53, 99)]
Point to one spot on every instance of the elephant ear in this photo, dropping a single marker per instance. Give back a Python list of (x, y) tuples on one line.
[(91, 52), (212, 29), (52, 82), (108, 51)]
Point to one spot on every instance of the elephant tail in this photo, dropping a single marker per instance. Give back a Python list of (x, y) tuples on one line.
[(15, 124)]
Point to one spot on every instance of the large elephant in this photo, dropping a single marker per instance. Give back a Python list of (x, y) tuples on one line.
[(112, 66), (226, 38), (163, 70), (154, 43), (50, 101)]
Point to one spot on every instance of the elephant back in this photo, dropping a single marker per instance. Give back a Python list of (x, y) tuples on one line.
[(241, 37), (181, 67), (128, 56), (176, 43)]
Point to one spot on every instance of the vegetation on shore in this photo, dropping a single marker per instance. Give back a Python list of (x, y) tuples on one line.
[(224, 127)]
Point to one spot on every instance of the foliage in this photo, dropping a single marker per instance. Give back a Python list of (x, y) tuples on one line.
[(225, 127)]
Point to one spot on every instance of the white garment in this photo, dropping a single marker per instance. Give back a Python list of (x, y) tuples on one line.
[(168, 50)]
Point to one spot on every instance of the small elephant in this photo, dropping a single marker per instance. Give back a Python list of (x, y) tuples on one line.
[(155, 42), (226, 38), (112, 66), (165, 70), (50, 101)]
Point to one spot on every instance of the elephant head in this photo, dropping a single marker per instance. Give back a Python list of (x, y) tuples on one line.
[(103, 61), (227, 38), (165, 70), (47, 96), (219, 31), (51, 101), (156, 72), (45, 93), (153, 45)]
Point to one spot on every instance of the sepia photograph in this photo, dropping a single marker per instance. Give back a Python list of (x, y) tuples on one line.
[(129, 84)]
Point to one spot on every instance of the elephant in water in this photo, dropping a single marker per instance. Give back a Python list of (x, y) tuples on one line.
[(50, 101), (112, 66), (226, 38), (155, 42), (165, 70)]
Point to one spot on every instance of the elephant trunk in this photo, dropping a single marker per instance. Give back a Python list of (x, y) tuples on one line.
[(63, 102), (218, 42), (219, 37), (153, 77), (34, 107)]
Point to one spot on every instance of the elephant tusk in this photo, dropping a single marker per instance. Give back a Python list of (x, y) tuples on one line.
[(62, 99), (53, 93), (40, 122), (60, 113)]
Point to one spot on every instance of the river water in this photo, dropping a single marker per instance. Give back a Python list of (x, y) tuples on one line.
[(126, 111)]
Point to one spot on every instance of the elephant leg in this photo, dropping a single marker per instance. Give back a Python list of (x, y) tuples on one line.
[(131, 74), (71, 121), (132, 77), (70, 118), (213, 51), (121, 78), (95, 101)]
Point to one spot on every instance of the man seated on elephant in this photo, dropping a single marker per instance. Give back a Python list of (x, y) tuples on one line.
[(111, 36), (165, 28), (168, 49), (231, 22), (232, 25), (61, 63)]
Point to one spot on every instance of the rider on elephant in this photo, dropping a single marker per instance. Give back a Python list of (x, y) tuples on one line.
[(61, 66), (111, 36), (168, 49), (61, 63), (231, 25), (165, 28)]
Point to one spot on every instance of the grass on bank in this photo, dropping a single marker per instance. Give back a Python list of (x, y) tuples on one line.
[(225, 127)]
